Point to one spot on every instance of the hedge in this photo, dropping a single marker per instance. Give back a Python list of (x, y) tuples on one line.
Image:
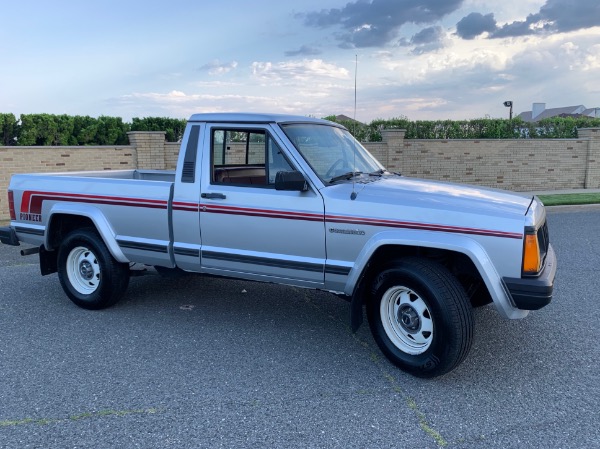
[(49, 129), (52, 130), (556, 128)]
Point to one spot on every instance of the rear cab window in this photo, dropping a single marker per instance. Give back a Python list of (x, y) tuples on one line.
[(245, 157)]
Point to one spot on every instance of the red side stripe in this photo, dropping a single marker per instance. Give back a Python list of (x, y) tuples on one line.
[(32, 203)]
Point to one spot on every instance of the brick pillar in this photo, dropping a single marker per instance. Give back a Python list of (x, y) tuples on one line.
[(150, 148), (592, 172), (394, 138)]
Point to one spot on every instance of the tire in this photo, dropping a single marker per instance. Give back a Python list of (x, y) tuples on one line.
[(88, 273), (420, 317)]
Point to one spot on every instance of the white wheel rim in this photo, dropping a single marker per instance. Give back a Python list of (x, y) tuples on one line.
[(406, 320), (83, 270)]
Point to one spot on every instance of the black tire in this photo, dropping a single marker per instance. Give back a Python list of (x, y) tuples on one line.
[(88, 273), (420, 317)]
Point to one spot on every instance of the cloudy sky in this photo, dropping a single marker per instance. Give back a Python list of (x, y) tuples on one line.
[(429, 59)]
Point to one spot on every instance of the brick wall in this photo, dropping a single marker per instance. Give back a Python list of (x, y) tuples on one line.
[(592, 157), (520, 164), (171, 155), (517, 164), (59, 159), (150, 147)]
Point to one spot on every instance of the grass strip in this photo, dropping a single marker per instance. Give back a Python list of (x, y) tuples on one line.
[(570, 199)]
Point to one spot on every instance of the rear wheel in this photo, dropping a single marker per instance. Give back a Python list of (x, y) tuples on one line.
[(88, 273), (420, 317)]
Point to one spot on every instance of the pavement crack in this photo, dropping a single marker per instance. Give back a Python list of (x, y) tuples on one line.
[(375, 357)]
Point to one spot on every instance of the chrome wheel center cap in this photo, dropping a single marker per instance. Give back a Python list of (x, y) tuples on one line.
[(86, 270), (409, 319)]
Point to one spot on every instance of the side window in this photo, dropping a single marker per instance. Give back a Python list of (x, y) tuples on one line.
[(245, 157), (277, 161)]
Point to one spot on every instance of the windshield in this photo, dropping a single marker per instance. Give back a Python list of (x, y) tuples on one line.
[(331, 152)]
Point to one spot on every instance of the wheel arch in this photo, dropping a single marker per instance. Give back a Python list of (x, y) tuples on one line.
[(462, 255), (64, 218)]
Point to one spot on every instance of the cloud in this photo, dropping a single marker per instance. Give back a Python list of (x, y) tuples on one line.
[(428, 36), (217, 68), (375, 23), (297, 70), (319, 103), (180, 104), (555, 16), (474, 24), (490, 72), (305, 50), (425, 41)]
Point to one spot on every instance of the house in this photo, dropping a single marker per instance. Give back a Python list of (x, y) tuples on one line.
[(539, 112), (344, 118)]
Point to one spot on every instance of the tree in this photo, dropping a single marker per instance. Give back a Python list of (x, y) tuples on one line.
[(8, 129)]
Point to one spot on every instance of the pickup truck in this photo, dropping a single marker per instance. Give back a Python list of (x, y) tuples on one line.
[(297, 201)]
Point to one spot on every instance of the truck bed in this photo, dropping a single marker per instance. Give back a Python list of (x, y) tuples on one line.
[(131, 206), (145, 175)]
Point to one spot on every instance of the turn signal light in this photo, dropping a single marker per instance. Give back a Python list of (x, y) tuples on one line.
[(532, 260), (11, 205)]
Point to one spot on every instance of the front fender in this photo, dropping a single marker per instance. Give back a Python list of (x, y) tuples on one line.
[(450, 242), (100, 222)]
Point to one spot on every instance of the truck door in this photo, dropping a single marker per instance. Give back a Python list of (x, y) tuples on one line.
[(248, 228)]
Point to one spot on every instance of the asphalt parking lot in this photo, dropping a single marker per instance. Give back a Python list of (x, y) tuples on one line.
[(211, 363)]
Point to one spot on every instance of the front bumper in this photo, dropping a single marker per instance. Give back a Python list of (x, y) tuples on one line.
[(8, 236), (533, 293)]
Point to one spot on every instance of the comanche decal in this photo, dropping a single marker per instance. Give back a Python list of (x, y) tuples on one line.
[(346, 231)]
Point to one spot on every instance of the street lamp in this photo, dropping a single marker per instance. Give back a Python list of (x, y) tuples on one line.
[(508, 104)]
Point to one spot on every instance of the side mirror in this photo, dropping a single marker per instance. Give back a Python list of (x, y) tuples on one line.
[(291, 181)]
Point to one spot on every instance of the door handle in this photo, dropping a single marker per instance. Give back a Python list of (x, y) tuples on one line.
[(213, 196)]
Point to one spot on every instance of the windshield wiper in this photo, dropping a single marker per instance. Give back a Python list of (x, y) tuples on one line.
[(379, 172), (345, 176)]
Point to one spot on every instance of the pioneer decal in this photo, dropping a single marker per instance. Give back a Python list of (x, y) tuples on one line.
[(37, 218)]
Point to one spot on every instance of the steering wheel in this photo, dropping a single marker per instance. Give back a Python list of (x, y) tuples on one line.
[(334, 167)]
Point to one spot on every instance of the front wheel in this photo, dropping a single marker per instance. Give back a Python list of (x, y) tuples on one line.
[(420, 317), (88, 273)]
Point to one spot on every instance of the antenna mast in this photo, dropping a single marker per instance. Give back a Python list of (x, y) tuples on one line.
[(355, 76), (353, 194)]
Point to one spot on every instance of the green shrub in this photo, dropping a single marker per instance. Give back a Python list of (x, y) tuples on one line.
[(8, 129), (49, 129), (173, 127), (484, 128)]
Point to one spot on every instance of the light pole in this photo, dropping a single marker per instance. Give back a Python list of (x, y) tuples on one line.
[(509, 104)]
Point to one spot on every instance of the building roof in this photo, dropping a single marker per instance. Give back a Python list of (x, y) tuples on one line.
[(564, 111)]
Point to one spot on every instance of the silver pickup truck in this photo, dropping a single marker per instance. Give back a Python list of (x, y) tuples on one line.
[(298, 201)]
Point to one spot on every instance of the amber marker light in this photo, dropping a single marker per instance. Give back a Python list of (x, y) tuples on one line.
[(531, 256)]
